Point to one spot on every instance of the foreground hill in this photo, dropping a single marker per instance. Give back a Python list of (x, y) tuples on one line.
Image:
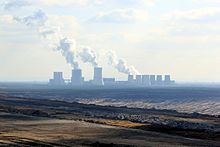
[(33, 122)]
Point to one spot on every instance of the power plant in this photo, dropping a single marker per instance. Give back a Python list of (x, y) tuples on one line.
[(57, 79), (97, 79), (77, 80)]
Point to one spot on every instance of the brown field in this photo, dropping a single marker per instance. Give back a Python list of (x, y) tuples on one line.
[(119, 123), (29, 122), (53, 132)]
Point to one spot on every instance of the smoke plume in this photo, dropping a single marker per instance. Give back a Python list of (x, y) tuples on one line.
[(38, 19), (67, 47), (88, 56), (13, 4), (120, 64), (48, 32), (59, 42)]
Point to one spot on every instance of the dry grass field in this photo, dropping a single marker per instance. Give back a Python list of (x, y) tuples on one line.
[(119, 123), (19, 130), (29, 122)]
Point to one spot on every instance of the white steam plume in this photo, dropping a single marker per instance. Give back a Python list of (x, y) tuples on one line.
[(38, 19), (13, 4), (51, 33), (87, 55), (67, 47), (120, 64), (47, 32)]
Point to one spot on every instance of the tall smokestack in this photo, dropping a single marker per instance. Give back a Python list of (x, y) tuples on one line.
[(97, 79)]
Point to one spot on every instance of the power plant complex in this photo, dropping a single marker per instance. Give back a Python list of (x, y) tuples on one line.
[(77, 80)]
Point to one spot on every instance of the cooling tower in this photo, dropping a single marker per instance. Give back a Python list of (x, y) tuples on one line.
[(97, 79), (77, 78), (57, 79)]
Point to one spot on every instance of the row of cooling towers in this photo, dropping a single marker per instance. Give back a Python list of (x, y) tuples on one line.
[(139, 80)]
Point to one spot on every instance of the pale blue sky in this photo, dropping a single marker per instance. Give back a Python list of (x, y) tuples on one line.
[(176, 37)]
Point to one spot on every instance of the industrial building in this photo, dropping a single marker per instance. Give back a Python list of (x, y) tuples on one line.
[(152, 80), (138, 79), (167, 79), (98, 79), (57, 79), (77, 79), (146, 80), (159, 80), (109, 81)]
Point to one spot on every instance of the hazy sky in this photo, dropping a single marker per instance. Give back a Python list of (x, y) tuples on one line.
[(177, 37)]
